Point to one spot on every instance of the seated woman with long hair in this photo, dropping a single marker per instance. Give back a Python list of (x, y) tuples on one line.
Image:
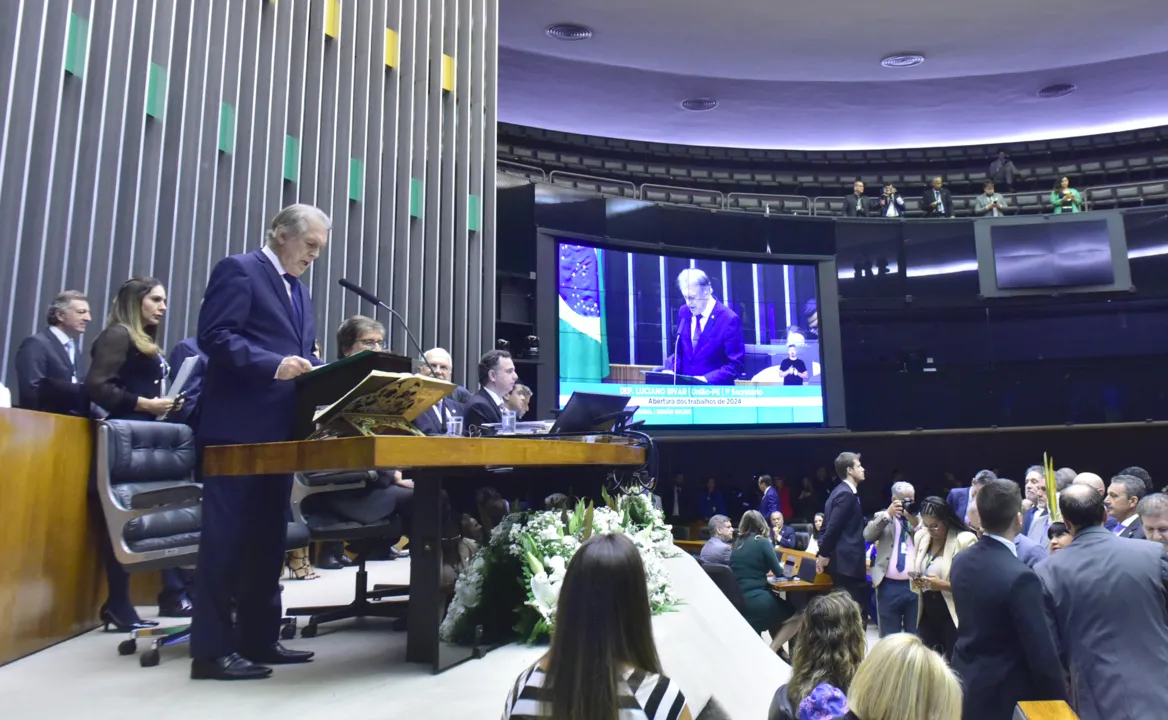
[(828, 649), (752, 557), (941, 535), (603, 663), (901, 679)]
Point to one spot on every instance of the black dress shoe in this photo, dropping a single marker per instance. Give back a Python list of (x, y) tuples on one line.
[(124, 624), (277, 654), (345, 560), (228, 667), (177, 607)]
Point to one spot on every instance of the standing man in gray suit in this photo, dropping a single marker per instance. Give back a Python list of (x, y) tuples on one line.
[(1108, 601), (892, 530)]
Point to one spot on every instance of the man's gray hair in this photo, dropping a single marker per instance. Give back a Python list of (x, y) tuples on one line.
[(1155, 504), (693, 276), (983, 476), (716, 522), (295, 218), (900, 486), (1035, 469), (1132, 485), (61, 304), (1064, 478)]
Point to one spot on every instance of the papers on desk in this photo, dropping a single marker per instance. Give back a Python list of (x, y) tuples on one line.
[(530, 427), (184, 373)]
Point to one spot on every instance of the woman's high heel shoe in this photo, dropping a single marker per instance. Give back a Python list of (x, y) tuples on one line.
[(108, 618), (299, 567)]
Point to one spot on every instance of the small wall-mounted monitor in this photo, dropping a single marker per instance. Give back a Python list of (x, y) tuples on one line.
[(1079, 253)]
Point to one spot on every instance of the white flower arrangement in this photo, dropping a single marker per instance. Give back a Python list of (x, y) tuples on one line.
[(534, 549)]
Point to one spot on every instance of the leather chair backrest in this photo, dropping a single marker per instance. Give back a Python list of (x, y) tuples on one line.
[(724, 578), (144, 451), (801, 540)]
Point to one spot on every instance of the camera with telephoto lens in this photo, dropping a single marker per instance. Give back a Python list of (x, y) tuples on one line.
[(909, 507)]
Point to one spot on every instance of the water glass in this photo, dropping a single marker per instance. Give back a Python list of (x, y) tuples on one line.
[(454, 425), (508, 425)]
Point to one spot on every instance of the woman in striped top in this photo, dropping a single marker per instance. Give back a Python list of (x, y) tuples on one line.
[(603, 663)]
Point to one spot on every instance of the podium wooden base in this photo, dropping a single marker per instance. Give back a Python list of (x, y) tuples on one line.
[(434, 461)]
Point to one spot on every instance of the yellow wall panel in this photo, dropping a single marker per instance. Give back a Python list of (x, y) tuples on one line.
[(448, 73), (390, 47), (332, 18)]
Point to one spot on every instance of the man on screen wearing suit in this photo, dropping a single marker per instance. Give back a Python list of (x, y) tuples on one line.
[(1005, 651), (1107, 598), (257, 329), (49, 365), (709, 335), (497, 377), (841, 542)]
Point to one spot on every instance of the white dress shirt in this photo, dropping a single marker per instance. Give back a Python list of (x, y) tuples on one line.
[(894, 208), (496, 397), (1004, 541), (70, 347), (698, 323), (279, 268)]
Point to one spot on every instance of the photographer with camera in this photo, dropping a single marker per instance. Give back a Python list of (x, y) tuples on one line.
[(891, 203), (892, 530)]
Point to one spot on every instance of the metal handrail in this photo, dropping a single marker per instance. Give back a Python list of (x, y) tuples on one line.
[(505, 164)]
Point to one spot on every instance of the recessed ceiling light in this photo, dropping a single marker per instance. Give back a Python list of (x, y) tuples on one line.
[(903, 60), (699, 104), (1057, 90), (568, 31)]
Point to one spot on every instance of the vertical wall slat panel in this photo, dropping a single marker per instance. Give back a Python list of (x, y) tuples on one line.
[(157, 136)]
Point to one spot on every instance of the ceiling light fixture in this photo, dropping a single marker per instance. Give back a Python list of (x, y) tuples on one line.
[(568, 31), (1056, 90), (699, 104), (903, 60)]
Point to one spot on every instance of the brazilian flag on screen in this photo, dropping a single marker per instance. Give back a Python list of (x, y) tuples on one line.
[(583, 332)]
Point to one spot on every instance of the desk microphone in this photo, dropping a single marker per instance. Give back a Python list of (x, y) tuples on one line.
[(373, 300)]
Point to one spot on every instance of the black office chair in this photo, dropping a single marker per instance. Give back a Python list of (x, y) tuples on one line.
[(144, 473), (724, 578), (324, 527)]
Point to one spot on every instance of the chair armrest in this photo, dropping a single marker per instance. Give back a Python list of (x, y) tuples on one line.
[(155, 497)]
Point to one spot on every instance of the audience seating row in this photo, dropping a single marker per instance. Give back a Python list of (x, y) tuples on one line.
[(1103, 197), (1039, 152), (838, 181)]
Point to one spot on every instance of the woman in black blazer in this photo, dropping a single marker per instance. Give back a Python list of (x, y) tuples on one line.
[(125, 379)]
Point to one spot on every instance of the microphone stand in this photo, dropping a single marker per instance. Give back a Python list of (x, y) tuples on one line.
[(374, 300)]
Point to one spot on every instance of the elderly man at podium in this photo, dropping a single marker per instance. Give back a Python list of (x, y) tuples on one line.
[(256, 327)]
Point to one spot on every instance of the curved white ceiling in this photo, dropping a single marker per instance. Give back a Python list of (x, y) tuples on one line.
[(807, 75)]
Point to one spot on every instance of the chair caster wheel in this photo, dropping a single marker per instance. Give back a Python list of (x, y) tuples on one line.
[(128, 647), (149, 658), (309, 631), (288, 632)]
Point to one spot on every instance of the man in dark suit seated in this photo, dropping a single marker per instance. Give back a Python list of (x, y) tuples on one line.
[(433, 421), (841, 543), (496, 377), (1005, 651), (50, 366), (857, 204), (709, 342)]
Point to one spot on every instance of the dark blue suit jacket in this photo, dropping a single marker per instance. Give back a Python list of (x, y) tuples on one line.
[(188, 414), (842, 538), (959, 500), (246, 328), (44, 377), (719, 353), (711, 504), (429, 424), (769, 504), (786, 536), (1005, 650)]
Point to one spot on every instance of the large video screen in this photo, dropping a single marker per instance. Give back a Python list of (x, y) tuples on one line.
[(691, 341)]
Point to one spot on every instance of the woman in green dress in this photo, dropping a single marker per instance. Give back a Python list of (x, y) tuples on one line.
[(1065, 198), (752, 557)]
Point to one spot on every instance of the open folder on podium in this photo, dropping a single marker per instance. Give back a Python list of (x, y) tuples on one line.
[(383, 403)]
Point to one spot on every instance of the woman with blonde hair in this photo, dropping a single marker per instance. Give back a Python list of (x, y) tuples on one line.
[(901, 679), (829, 647)]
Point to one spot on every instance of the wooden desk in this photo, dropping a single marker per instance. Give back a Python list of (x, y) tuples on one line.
[(1044, 710), (822, 582), (434, 461)]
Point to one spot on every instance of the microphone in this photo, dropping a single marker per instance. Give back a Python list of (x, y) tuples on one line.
[(373, 300), (676, 349)]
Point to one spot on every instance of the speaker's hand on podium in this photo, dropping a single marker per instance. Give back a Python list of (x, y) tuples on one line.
[(292, 367)]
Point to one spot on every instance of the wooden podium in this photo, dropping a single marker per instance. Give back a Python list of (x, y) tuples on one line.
[(432, 462)]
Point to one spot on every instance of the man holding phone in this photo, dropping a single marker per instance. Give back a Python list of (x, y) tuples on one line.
[(892, 531)]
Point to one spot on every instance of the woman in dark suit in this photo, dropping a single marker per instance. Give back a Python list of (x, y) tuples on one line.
[(751, 559), (125, 379)]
